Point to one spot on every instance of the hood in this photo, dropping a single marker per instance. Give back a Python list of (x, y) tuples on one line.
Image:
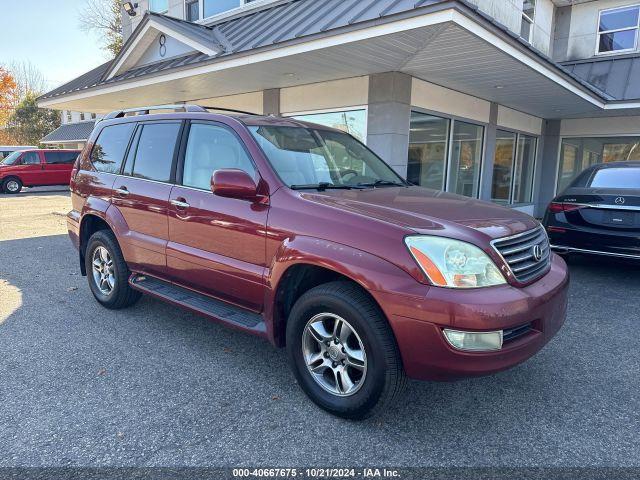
[(427, 211)]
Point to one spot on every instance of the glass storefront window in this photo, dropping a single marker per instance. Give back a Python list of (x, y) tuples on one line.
[(353, 122), (524, 168), (428, 150), (503, 166), (466, 156), (576, 154)]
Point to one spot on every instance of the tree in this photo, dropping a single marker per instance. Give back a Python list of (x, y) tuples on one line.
[(8, 95), (28, 123), (28, 79), (105, 18)]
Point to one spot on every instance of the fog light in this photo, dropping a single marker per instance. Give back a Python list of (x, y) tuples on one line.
[(474, 341)]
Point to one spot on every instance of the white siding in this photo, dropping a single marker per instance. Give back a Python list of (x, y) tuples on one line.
[(580, 40), (349, 92), (516, 120), (439, 99), (601, 127)]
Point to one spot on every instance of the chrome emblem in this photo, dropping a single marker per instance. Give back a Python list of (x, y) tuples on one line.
[(620, 201), (537, 252)]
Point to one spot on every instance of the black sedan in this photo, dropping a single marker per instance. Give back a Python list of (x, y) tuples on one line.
[(599, 213)]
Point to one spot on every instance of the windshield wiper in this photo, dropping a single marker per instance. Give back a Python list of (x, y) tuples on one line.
[(382, 183), (322, 186)]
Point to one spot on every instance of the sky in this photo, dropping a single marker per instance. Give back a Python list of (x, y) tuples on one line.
[(47, 34)]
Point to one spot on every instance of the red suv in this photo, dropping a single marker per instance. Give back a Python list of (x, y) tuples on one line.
[(298, 233), (34, 168)]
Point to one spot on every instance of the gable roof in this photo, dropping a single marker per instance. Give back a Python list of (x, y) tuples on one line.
[(199, 37), (277, 24), (617, 76)]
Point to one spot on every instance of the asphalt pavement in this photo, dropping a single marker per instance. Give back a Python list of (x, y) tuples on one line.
[(156, 386)]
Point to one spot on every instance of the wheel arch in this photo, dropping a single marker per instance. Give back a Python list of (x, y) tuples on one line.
[(303, 263), (90, 224), (12, 177)]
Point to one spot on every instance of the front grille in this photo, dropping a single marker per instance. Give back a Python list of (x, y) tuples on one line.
[(519, 253)]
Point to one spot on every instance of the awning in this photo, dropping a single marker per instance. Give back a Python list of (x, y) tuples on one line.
[(70, 132)]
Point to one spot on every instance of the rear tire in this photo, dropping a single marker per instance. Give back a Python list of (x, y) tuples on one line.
[(108, 273), (357, 371), (11, 185)]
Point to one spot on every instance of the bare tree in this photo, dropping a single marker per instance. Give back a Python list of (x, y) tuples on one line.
[(29, 79), (105, 18)]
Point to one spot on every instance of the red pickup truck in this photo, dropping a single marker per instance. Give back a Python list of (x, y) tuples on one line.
[(34, 168)]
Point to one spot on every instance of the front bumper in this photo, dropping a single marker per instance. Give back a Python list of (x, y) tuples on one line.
[(418, 323)]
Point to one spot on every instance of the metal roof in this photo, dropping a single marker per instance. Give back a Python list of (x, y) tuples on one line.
[(618, 76), (286, 22), (68, 132)]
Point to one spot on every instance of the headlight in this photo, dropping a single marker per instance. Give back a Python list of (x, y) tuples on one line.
[(452, 263)]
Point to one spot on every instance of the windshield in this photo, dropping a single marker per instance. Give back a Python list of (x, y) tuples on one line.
[(310, 158), (11, 159)]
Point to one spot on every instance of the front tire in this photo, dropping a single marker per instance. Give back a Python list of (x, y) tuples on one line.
[(343, 352), (108, 273), (12, 185)]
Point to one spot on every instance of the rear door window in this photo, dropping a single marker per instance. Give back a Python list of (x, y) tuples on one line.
[(108, 152), (616, 178), (155, 151)]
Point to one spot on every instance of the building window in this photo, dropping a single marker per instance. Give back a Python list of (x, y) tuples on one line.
[(528, 16), (93, 116), (576, 154), (82, 116), (69, 117), (353, 122), (502, 183), (428, 142), (214, 7), (192, 10), (513, 168), (466, 157), (618, 29), (445, 152), (159, 6)]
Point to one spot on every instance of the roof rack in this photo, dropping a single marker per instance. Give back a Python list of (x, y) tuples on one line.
[(175, 108)]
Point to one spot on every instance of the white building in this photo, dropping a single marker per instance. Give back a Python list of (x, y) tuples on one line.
[(506, 100)]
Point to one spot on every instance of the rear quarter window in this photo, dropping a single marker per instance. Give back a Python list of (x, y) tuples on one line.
[(109, 149), (628, 177)]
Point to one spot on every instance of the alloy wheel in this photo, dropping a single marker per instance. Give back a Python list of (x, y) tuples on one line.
[(12, 186), (334, 354), (103, 275)]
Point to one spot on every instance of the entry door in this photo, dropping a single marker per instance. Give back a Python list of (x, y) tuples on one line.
[(217, 245), (32, 169), (141, 194)]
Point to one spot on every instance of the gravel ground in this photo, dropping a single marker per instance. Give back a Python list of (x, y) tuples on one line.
[(155, 386)]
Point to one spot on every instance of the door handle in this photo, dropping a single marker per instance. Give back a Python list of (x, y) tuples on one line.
[(122, 191), (179, 203)]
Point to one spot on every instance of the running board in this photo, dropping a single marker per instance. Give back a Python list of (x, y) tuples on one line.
[(199, 303)]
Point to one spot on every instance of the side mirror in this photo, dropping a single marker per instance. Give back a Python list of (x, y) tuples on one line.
[(233, 183)]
